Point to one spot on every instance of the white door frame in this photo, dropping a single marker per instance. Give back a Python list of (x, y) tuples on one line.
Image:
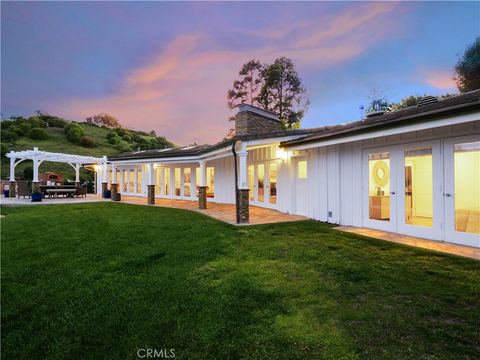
[(266, 184), (451, 235)]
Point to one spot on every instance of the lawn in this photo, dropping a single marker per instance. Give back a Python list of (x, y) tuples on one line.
[(104, 280)]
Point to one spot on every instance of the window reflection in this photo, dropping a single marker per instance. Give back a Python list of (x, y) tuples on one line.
[(379, 186)]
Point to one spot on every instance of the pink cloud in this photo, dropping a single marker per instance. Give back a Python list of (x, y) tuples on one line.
[(181, 91), (440, 79)]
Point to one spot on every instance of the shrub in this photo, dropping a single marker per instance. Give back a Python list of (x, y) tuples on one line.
[(16, 130), (87, 141), (55, 122), (9, 136), (127, 138), (124, 148), (35, 121), (28, 173), (120, 131), (38, 134), (5, 124), (73, 132), (5, 149), (114, 140), (25, 127)]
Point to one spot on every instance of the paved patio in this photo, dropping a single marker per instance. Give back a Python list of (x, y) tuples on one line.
[(60, 200), (223, 212), (445, 247)]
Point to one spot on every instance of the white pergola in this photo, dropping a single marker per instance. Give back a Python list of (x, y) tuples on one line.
[(75, 161)]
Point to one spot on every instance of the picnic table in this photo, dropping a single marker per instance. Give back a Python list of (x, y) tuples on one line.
[(67, 192)]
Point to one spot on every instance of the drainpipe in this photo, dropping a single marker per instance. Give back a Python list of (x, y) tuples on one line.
[(236, 179)]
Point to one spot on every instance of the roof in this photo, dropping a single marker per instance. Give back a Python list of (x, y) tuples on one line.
[(456, 104), (192, 150)]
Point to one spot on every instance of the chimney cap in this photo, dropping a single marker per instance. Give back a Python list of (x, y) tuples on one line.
[(258, 111)]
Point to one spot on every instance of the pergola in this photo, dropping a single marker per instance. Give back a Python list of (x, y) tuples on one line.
[(75, 161)]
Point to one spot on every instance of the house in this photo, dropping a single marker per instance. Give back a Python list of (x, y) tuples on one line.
[(415, 171)]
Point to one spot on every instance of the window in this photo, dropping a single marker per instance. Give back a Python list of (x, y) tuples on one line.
[(166, 181), (467, 187), (139, 182), (158, 181), (186, 181), (211, 182), (302, 169), (131, 181), (176, 178), (379, 186)]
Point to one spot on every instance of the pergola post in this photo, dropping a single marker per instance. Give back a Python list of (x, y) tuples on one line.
[(36, 164), (77, 175), (12, 184), (114, 184), (242, 196), (150, 184), (104, 176), (202, 188)]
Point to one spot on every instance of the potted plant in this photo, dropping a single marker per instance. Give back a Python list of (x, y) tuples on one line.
[(36, 194)]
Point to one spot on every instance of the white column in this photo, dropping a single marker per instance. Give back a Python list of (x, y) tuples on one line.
[(104, 169), (114, 173), (242, 167), (77, 172), (12, 167), (35, 169), (202, 178), (150, 174)]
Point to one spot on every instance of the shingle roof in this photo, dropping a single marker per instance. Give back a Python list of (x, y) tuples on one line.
[(460, 103)]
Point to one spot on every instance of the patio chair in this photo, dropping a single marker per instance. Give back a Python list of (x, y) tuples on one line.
[(23, 189), (81, 191)]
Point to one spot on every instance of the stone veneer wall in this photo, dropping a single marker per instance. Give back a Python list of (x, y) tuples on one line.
[(114, 188), (104, 188), (151, 194), (202, 197), (247, 123), (243, 215), (13, 189)]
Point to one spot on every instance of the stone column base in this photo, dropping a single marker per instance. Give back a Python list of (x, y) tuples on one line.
[(104, 188), (12, 185), (202, 197), (243, 215), (151, 194), (114, 188)]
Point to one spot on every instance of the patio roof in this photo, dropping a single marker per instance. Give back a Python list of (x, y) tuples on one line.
[(38, 157)]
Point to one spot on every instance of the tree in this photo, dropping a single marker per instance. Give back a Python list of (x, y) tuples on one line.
[(467, 69), (104, 119), (247, 89), (283, 92)]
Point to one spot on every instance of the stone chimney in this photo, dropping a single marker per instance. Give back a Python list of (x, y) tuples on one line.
[(253, 120)]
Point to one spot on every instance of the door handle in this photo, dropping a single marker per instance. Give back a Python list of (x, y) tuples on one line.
[(392, 192), (448, 195)]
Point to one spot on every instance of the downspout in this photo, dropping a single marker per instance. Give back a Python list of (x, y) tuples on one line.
[(236, 179)]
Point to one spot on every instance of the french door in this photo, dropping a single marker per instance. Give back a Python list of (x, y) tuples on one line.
[(462, 190), (403, 191), (262, 182)]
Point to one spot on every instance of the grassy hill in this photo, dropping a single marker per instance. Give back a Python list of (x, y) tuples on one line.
[(17, 135)]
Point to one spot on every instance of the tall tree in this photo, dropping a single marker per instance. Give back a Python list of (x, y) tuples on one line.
[(467, 70), (247, 88), (283, 93)]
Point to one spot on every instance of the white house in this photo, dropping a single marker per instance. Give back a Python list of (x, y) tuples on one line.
[(415, 171)]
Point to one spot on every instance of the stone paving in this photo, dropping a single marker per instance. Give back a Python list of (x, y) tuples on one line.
[(450, 248)]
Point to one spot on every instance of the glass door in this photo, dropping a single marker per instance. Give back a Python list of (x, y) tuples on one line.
[(272, 183), (380, 212), (187, 182), (419, 196), (462, 190)]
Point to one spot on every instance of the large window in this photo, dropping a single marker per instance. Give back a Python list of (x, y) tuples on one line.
[(158, 181), (166, 181), (131, 181), (251, 181), (467, 187), (176, 180), (139, 182), (272, 174), (210, 182), (125, 180), (418, 187), (187, 179), (261, 182), (379, 186)]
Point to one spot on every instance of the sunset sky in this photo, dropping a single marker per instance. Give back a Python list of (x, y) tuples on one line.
[(168, 66)]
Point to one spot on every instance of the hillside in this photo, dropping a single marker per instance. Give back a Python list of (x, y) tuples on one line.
[(52, 135)]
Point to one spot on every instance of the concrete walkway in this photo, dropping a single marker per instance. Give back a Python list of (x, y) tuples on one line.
[(223, 212), (445, 247)]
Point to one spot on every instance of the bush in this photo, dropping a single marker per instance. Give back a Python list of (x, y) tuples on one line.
[(28, 173), (9, 136), (120, 131), (38, 134), (5, 149), (124, 148), (127, 138), (5, 124), (25, 127), (87, 141), (114, 140), (73, 132), (55, 122), (16, 130), (35, 121)]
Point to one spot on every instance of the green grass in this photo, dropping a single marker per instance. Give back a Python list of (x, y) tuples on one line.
[(102, 280)]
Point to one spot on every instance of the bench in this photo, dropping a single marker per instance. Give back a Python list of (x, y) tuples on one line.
[(57, 192)]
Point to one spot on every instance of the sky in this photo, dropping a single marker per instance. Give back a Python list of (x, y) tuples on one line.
[(167, 66)]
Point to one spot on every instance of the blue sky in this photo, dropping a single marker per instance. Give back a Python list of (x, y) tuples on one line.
[(167, 66)]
